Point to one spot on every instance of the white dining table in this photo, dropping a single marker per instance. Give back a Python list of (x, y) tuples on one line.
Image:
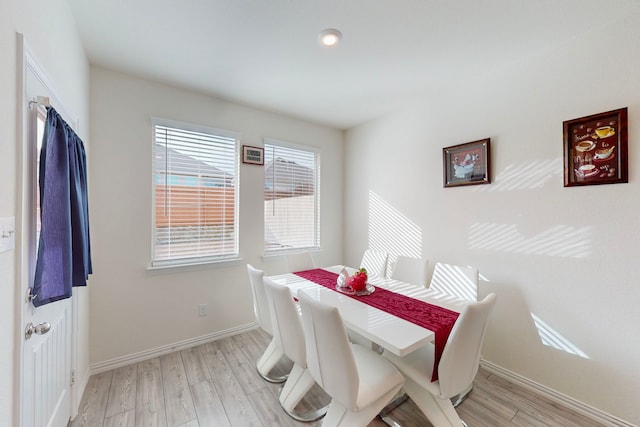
[(396, 335)]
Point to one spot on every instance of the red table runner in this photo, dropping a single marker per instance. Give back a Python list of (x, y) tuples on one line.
[(437, 319)]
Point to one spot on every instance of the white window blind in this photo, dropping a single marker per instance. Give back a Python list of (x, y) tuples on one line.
[(291, 205), (195, 194)]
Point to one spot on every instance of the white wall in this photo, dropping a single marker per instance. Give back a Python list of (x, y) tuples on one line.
[(134, 310), (8, 159), (572, 256), (50, 32)]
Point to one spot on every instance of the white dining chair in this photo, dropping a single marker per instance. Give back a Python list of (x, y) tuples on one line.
[(457, 368), (375, 262), (274, 352), (287, 329), (410, 270), (359, 381), (455, 280), (260, 306), (300, 261), (460, 282)]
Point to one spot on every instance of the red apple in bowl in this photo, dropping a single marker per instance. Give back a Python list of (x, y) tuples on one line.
[(358, 281)]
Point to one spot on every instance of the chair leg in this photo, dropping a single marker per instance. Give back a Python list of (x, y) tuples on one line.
[(458, 398), (339, 416), (386, 418), (397, 401), (298, 384), (268, 360), (440, 412)]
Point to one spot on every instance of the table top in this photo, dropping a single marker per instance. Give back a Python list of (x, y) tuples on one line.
[(399, 336)]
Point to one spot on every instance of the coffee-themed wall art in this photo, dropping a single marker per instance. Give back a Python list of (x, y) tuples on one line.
[(595, 149), (467, 164)]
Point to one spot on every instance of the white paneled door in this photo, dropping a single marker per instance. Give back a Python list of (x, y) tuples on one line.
[(46, 331), (47, 365)]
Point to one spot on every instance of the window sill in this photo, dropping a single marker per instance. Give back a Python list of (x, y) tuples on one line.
[(277, 255), (195, 265)]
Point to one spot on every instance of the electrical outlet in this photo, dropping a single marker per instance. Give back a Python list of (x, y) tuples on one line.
[(203, 310)]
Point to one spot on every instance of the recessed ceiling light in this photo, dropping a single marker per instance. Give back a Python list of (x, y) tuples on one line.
[(329, 37)]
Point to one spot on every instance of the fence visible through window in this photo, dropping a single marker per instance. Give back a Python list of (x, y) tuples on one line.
[(291, 206), (195, 194)]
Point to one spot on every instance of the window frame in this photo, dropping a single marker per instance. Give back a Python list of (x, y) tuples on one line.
[(317, 196), (156, 264)]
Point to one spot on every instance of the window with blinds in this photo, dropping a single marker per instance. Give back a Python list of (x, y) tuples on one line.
[(291, 197), (195, 194)]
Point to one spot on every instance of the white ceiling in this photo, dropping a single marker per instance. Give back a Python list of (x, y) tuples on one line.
[(264, 53)]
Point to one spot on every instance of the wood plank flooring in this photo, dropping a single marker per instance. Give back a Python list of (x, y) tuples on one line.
[(217, 384)]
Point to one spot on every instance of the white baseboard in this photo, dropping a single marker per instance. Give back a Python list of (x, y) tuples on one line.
[(118, 362), (568, 402)]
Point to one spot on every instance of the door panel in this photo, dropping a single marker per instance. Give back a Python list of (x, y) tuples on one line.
[(47, 363)]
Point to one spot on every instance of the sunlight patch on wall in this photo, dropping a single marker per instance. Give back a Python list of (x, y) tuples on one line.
[(392, 232), (559, 241), (456, 280), (552, 338), (535, 174)]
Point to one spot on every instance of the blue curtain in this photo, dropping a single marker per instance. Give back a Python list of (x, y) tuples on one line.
[(64, 250)]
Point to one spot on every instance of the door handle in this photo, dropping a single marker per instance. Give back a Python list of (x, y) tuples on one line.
[(40, 329)]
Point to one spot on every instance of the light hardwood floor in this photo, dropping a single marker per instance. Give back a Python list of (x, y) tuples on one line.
[(216, 384)]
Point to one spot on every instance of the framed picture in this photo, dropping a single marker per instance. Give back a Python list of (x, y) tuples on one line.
[(252, 155), (595, 149), (467, 164)]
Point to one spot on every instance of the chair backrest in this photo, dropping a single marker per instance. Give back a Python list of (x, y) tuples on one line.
[(300, 261), (375, 262), (410, 270), (459, 281), (260, 303), (330, 359), (461, 356), (287, 325)]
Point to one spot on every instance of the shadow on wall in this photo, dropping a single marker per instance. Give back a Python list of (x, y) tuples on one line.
[(525, 176), (557, 241), (392, 232), (524, 329), (552, 338)]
